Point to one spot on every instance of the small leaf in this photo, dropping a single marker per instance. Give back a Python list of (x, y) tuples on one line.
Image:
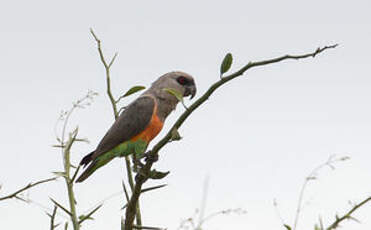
[(226, 64), (156, 175), (175, 93), (133, 90), (287, 226)]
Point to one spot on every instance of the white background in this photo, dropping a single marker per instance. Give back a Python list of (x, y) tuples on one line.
[(257, 137)]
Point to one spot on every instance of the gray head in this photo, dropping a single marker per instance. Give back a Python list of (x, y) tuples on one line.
[(180, 81)]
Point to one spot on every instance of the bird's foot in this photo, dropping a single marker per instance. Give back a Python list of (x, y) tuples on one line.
[(149, 156), (137, 164)]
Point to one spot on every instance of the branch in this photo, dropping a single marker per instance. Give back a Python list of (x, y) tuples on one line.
[(115, 112), (348, 215), (61, 207), (30, 185), (144, 172), (52, 218), (88, 216), (221, 82), (69, 180), (107, 68), (312, 176), (66, 147)]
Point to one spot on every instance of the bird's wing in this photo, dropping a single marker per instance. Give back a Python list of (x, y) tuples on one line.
[(132, 121)]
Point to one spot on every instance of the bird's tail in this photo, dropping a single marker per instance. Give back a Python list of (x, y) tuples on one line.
[(87, 159), (94, 165)]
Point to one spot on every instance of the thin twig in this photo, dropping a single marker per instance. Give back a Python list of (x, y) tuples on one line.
[(52, 218), (348, 215), (144, 173), (203, 203), (107, 68), (61, 207), (312, 176), (30, 185), (88, 216), (115, 112), (275, 204), (66, 152), (69, 181), (222, 212)]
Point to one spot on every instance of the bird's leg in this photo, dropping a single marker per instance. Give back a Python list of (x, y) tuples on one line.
[(136, 162)]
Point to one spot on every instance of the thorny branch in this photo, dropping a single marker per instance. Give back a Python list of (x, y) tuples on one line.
[(66, 145), (116, 114), (348, 215), (144, 172), (108, 75), (30, 185), (52, 218)]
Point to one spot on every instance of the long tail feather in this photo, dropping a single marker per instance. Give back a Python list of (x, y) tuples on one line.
[(91, 168), (94, 164), (87, 159)]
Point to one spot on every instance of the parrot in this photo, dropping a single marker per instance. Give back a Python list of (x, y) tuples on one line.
[(140, 122)]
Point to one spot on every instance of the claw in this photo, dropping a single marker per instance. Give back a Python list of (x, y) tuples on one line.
[(150, 157)]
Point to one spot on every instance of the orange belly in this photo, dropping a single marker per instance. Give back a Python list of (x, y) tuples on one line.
[(151, 131)]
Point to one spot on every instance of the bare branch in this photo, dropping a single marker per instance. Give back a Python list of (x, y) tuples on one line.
[(60, 206), (30, 185), (115, 112), (348, 215), (107, 68), (52, 218), (66, 153), (112, 60), (69, 180), (312, 176), (144, 172)]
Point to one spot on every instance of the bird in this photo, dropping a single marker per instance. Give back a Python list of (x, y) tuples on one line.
[(140, 122)]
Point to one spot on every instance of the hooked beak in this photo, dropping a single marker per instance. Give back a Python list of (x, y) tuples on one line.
[(190, 90)]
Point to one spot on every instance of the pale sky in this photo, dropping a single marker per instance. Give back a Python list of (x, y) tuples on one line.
[(257, 137)]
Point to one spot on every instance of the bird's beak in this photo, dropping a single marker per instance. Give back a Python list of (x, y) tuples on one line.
[(190, 91)]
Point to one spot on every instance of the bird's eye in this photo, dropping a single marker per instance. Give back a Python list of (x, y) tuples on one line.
[(182, 80)]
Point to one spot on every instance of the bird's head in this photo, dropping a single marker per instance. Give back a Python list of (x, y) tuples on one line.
[(179, 81)]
